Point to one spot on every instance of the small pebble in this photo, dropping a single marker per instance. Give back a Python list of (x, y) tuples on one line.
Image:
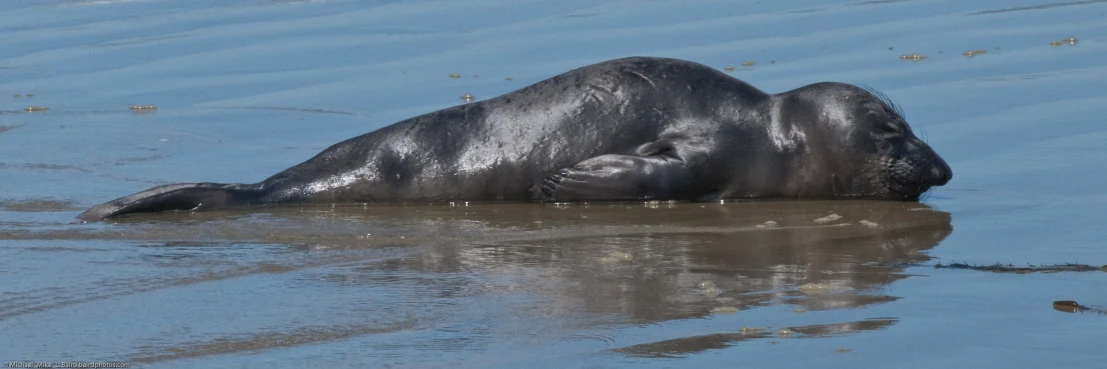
[(615, 257), (747, 64), (620, 255), (767, 224), (142, 107), (711, 291), (868, 223), (751, 330), (841, 350), (725, 310), (1067, 40), (17, 96), (467, 98), (800, 311), (813, 288), (508, 79), (31, 109), (706, 284), (972, 53), (784, 332), (729, 68), (828, 218), (912, 57), (455, 75)]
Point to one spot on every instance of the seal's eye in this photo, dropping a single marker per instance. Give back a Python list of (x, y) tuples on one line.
[(891, 128)]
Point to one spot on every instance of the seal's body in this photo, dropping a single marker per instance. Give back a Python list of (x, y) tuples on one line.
[(627, 129)]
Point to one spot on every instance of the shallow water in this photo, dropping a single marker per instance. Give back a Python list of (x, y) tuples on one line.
[(246, 88)]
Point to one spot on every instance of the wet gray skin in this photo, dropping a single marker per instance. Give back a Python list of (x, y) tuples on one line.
[(627, 129)]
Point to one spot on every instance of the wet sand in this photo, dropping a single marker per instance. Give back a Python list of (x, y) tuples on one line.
[(246, 88), (461, 278)]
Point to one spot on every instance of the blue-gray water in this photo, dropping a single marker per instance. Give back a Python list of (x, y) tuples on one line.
[(246, 88)]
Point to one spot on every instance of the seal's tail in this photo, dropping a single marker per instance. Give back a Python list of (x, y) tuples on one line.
[(185, 196)]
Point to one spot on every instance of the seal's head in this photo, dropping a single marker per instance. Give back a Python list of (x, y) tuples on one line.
[(865, 148)]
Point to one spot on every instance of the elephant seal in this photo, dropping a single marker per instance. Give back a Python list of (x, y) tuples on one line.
[(638, 128)]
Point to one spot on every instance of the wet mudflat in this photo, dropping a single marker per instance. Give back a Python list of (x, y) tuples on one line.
[(246, 88), (463, 282)]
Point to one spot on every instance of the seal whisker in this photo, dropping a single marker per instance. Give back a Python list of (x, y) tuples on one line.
[(885, 99)]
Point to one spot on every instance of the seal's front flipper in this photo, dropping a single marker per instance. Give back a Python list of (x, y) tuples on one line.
[(188, 196), (621, 177)]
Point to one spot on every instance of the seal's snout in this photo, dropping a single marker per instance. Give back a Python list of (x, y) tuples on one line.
[(917, 172), (941, 173)]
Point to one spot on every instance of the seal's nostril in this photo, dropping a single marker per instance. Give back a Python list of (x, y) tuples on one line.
[(941, 174)]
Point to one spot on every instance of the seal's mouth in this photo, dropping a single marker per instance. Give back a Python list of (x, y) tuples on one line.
[(907, 191)]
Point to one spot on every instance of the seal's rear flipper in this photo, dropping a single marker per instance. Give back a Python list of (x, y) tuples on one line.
[(187, 196)]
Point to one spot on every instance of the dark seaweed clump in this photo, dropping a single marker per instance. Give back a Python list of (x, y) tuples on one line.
[(1029, 268)]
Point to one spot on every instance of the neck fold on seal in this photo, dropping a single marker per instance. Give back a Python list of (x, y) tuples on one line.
[(785, 137)]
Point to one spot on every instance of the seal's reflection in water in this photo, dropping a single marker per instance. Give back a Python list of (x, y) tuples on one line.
[(582, 268)]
